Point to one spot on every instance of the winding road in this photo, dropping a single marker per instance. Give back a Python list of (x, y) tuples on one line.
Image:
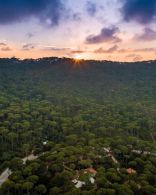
[(7, 172)]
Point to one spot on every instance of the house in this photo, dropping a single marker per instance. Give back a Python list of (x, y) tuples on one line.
[(78, 183), (92, 180), (131, 171), (45, 142), (90, 171)]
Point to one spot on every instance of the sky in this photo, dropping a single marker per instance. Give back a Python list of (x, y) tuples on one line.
[(117, 30)]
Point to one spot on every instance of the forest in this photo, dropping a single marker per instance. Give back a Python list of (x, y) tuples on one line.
[(79, 127)]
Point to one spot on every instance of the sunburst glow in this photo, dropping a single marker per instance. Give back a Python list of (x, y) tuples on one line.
[(77, 57)]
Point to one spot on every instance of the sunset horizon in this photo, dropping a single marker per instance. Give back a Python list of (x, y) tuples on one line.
[(78, 59), (119, 30), (77, 97)]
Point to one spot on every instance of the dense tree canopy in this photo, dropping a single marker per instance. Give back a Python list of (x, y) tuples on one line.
[(88, 121)]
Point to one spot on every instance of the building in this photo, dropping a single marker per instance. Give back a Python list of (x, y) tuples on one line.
[(90, 171), (131, 171)]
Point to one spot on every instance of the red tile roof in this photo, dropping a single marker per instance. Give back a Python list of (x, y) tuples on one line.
[(91, 170), (130, 171)]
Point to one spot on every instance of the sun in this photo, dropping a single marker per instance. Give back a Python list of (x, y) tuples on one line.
[(77, 57)]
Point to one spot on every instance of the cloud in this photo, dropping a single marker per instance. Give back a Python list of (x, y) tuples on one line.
[(47, 11), (147, 35), (57, 49), (137, 58), (145, 50), (110, 50), (134, 57), (4, 47), (28, 47), (106, 35), (137, 50), (3, 44), (116, 49), (142, 11), (78, 51), (91, 8), (29, 35), (76, 17)]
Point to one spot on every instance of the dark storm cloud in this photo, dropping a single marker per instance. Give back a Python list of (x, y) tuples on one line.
[(106, 35), (17, 10), (147, 35), (142, 11), (91, 8)]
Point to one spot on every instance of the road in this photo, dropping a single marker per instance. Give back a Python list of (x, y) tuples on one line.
[(7, 172), (109, 154), (4, 176), (143, 152), (30, 158)]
